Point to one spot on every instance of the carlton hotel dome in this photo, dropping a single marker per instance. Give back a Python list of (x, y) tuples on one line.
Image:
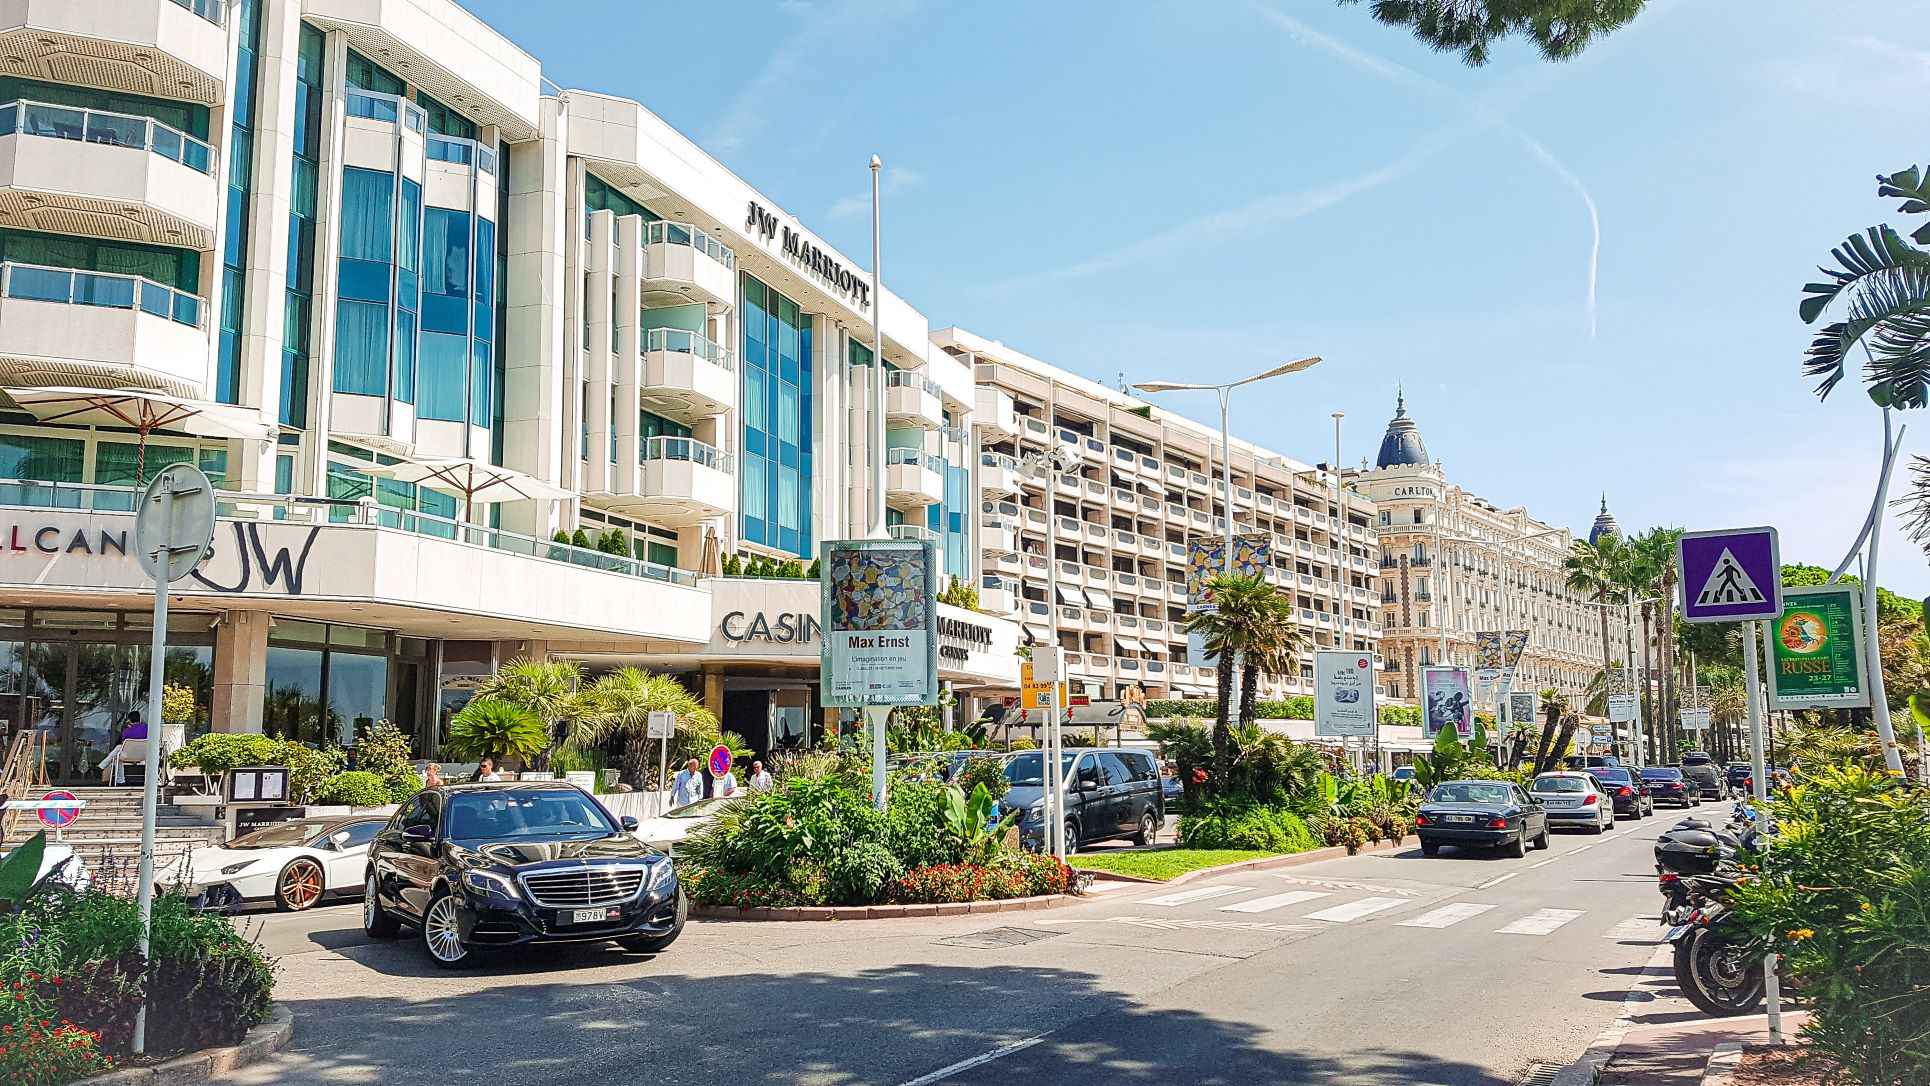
[(1402, 445)]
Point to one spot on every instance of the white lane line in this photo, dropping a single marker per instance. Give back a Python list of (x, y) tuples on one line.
[(983, 1058), (1579, 849), (1539, 922), (1204, 893), (1356, 910), (1498, 880), (1273, 901), (1637, 929), (1447, 915), (1161, 923), (1543, 863)]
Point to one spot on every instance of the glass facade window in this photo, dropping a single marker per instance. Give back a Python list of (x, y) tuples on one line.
[(776, 459), (177, 268), (365, 74), (366, 273), (44, 460), (310, 62), (326, 683), (241, 154)]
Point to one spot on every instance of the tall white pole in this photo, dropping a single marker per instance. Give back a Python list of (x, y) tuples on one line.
[(1879, 702), (1235, 673), (877, 361), (1055, 842), (1759, 773), (151, 778)]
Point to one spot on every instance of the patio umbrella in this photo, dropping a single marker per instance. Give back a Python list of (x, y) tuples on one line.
[(144, 411), (476, 482), (711, 562)]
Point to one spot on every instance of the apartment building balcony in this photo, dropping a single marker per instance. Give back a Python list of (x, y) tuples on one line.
[(912, 399), (65, 327), (1032, 429), (993, 414), (915, 532), (999, 596), (159, 48), (687, 373), (680, 482), (998, 474), (997, 536), (107, 175), (682, 264), (914, 477)]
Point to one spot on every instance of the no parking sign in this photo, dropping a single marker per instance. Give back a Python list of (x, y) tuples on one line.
[(58, 809)]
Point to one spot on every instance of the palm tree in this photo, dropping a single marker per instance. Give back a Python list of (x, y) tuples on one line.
[(1252, 619), (501, 731), (619, 704), (1559, 30), (1642, 567), (550, 689), (1884, 283), (1659, 544), (1728, 704), (1554, 709), (1594, 569)]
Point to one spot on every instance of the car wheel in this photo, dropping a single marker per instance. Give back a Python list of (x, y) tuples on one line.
[(299, 886), (442, 932), (1072, 836), (1518, 847), (1148, 830), (1542, 841), (1430, 848), (376, 920), (652, 944), (1601, 826)]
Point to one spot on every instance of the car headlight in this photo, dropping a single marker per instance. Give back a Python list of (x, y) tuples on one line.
[(490, 885), (236, 869), (662, 876)]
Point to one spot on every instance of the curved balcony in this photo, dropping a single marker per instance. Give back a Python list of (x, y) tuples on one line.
[(680, 481), (993, 414), (106, 175), (912, 399), (997, 535), (682, 264), (687, 373), (915, 532), (997, 474), (914, 477), (998, 596), (64, 327), (160, 48)]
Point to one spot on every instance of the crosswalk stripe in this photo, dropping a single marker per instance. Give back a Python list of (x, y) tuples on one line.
[(1646, 929), (1539, 922), (1356, 910), (1447, 915), (1204, 893), (1273, 901)]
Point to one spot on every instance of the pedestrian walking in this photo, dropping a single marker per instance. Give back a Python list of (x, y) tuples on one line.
[(689, 785), (725, 785), (760, 777)]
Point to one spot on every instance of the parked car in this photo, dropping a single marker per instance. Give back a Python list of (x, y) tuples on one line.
[(1573, 798), (1590, 761), (295, 864), (1171, 788), (1668, 784), (1626, 789), (664, 831), (1740, 777), (1110, 792), (475, 866), (1491, 814), (1403, 774), (1709, 781)]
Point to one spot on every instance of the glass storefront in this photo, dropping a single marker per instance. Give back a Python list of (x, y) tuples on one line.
[(76, 674), (326, 683)]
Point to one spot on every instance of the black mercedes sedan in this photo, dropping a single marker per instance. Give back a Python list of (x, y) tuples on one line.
[(1491, 814), (475, 866)]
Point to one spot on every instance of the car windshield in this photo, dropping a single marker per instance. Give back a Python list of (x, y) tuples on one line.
[(702, 808), (1466, 792), (1614, 776), (1559, 784), (495, 815), (1660, 774), (282, 835), (1027, 769)]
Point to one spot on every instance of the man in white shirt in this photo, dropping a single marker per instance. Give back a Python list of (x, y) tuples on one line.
[(689, 785), (760, 777), (725, 785)]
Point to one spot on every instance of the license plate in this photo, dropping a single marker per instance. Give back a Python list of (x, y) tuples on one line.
[(591, 916), (1458, 818), (1675, 933)]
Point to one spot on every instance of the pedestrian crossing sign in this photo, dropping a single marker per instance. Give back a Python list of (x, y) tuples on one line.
[(1728, 582), (1731, 575)]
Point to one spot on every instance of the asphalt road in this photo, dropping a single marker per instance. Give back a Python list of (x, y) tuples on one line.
[(1462, 970)]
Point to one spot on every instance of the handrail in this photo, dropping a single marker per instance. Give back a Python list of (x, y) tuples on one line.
[(684, 448), (912, 379), (30, 118), (107, 290), (931, 461), (25, 772), (215, 11), (687, 342), (665, 232)]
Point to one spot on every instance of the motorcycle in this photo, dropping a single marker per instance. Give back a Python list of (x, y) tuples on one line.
[(1713, 967)]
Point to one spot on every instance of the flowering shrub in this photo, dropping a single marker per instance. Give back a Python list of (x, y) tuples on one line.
[(945, 884), (1038, 874), (743, 890)]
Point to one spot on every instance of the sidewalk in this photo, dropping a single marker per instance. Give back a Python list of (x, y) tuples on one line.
[(1661, 1038)]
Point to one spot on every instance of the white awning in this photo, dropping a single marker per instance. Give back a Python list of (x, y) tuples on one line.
[(1036, 635), (1100, 599), (1070, 595), (1130, 644)]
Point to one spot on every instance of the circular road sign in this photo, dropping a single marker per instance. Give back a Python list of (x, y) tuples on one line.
[(58, 809), (719, 760), (174, 526)]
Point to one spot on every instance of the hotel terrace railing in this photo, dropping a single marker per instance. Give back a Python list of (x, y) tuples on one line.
[(683, 342), (360, 513), (663, 232), (99, 126), (684, 448), (67, 286)]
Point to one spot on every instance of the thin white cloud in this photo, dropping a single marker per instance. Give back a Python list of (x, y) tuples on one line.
[(1487, 112), (896, 179), (797, 60)]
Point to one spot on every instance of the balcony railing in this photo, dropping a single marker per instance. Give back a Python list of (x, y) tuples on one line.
[(911, 531), (462, 151), (684, 448), (377, 106), (215, 11), (930, 461), (911, 379), (68, 286), (99, 126), (663, 232), (692, 343)]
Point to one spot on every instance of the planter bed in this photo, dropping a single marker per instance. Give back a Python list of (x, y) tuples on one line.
[(884, 912), (262, 1042)]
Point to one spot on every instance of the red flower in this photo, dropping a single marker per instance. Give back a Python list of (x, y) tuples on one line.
[(1199, 776)]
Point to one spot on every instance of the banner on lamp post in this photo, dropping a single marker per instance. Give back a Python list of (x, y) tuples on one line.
[(1523, 706), (1343, 693), (1447, 701), (880, 620), (1815, 650), (1206, 559)]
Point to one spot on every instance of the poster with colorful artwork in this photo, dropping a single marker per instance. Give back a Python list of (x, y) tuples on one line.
[(1446, 701), (880, 622), (1815, 650), (1206, 559)]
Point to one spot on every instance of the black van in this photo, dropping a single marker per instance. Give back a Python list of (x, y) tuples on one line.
[(1109, 792)]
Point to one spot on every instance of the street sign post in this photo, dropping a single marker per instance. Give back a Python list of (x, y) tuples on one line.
[(1731, 575), (173, 533), (58, 809), (661, 725), (1815, 650)]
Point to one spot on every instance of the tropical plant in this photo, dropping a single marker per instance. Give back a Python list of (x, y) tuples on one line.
[(1560, 29), (20, 870), (495, 729), (1255, 827), (1557, 730), (549, 689), (354, 788), (973, 825), (617, 708), (1449, 759), (1595, 569), (1883, 283), (1251, 621)]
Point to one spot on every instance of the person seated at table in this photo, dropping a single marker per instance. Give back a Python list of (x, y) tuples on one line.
[(132, 728)]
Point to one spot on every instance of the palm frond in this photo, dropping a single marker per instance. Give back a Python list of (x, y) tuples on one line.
[(1889, 307)]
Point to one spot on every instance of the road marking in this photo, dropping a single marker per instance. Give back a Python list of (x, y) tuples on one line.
[(1273, 901), (1497, 880), (983, 1058), (1543, 863), (1356, 910), (1447, 915), (1161, 923), (1342, 884), (1637, 929), (1579, 849), (1539, 922), (1204, 893)]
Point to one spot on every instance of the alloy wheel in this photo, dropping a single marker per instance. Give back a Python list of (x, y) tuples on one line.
[(368, 903), (301, 886), (441, 932)]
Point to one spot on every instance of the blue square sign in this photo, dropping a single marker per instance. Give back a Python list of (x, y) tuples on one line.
[(1732, 575)]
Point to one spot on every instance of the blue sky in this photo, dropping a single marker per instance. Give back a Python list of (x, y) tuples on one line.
[(1197, 190)]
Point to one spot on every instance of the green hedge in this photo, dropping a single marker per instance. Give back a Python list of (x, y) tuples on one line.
[(1298, 707), (1259, 828)]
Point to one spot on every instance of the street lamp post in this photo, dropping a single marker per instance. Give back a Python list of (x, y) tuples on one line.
[(1049, 465), (1225, 392)]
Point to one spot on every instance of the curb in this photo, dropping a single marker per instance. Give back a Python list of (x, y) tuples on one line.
[(1722, 1064), (1584, 1071), (1294, 859), (261, 1042), (882, 912)]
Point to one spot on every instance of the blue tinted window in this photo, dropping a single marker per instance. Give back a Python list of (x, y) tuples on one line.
[(443, 362), (361, 347), (368, 215)]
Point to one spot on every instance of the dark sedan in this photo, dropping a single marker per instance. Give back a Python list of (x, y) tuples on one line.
[(492, 865), (1626, 789), (1708, 780), (1491, 814), (1667, 784)]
